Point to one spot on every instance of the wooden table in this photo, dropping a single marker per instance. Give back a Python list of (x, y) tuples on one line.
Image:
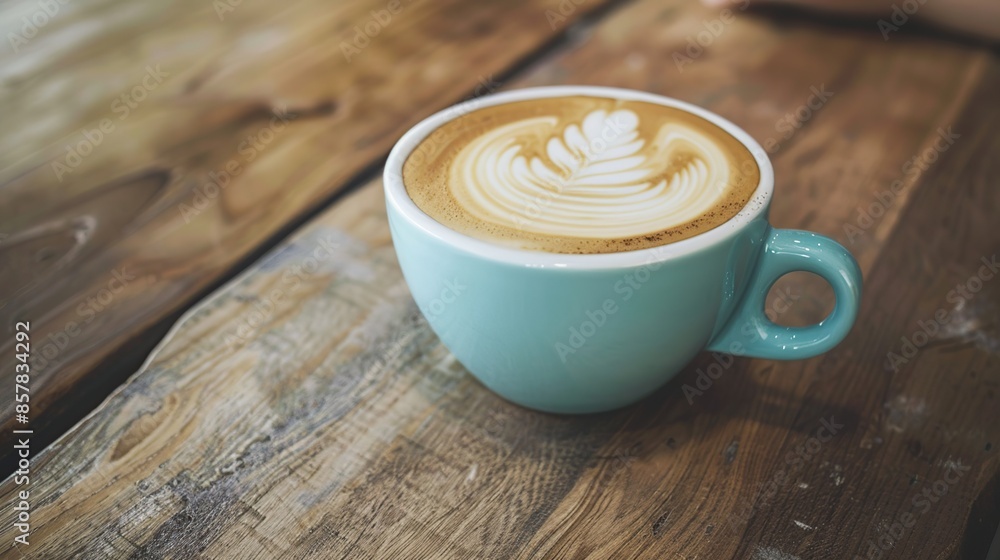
[(211, 169)]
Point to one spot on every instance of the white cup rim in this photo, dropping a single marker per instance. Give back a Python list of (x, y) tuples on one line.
[(397, 198)]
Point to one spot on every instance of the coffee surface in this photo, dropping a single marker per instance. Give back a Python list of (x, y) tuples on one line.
[(580, 174)]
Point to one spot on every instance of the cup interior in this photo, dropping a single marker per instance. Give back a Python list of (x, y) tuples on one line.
[(398, 199)]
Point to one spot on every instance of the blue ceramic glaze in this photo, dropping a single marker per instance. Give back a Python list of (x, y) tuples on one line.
[(588, 333)]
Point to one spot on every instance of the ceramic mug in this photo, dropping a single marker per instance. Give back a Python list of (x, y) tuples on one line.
[(586, 333)]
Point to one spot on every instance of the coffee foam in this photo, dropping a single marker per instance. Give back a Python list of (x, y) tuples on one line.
[(580, 175)]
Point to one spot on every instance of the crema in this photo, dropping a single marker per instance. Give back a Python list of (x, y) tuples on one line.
[(580, 174)]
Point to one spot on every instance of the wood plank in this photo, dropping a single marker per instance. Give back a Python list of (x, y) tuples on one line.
[(337, 426), (222, 129)]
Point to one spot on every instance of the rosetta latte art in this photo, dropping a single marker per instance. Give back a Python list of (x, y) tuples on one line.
[(598, 179), (580, 174)]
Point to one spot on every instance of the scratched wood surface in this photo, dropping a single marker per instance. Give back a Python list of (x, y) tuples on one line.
[(305, 410), (149, 151)]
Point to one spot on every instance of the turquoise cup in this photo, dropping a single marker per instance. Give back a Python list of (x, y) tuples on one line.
[(589, 333)]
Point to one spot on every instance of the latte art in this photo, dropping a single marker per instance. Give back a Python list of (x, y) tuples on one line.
[(594, 180), (580, 174)]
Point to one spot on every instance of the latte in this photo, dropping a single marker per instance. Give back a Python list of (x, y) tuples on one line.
[(580, 174)]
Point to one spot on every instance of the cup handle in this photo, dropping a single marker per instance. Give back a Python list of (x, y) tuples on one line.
[(750, 333)]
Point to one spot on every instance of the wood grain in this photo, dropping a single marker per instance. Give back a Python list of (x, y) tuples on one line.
[(314, 415), (150, 151)]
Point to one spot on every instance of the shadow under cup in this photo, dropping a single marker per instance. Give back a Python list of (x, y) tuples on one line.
[(588, 333)]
